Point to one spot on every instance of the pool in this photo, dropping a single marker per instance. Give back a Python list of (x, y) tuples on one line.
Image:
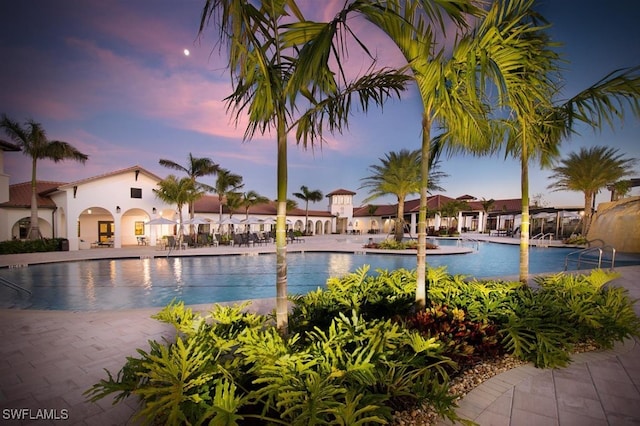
[(140, 283)]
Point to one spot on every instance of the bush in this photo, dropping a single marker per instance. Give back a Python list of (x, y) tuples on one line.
[(233, 368), (361, 349), (30, 246), (392, 244)]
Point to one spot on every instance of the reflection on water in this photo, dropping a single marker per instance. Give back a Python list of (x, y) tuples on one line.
[(137, 283)]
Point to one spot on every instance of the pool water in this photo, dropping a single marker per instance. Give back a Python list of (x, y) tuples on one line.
[(139, 283)]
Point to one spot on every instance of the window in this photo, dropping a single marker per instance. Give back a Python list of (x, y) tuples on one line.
[(138, 228), (136, 192)]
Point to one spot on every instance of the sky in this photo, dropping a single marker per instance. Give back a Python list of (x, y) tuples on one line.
[(112, 78)]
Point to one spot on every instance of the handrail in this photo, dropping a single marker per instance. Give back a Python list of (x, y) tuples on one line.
[(540, 238), (581, 253), (462, 239), (14, 286)]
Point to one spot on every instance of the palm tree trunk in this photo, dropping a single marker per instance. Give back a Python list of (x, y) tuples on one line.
[(524, 225), (34, 228), (588, 212), (282, 320), (421, 261), (399, 225)]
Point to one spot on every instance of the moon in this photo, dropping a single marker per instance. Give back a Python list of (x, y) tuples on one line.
[(186, 52)]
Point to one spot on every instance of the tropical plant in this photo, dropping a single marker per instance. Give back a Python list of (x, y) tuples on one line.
[(487, 205), (250, 199), (371, 210), (195, 168), (266, 86), (588, 171), (32, 140), (226, 184), (397, 174), (452, 208), (176, 191), (307, 195), (451, 80), (539, 122), (619, 189)]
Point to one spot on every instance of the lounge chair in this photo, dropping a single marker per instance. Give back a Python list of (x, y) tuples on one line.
[(291, 237)]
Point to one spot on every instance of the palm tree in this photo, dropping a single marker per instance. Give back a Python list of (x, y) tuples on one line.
[(265, 89), (250, 199), (451, 85), (371, 210), (195, 168), (176, 191), (307, 195), (487, 205), (226, 183), (397, 174), (539, 123), (452, 208), (33, 141), (588, 171)]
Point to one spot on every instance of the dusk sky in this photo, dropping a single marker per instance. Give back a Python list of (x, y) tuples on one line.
[(111, 77)]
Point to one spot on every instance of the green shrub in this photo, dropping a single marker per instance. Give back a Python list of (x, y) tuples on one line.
[(233, 368), (465, 341), (359, 349), (30, 246), (384, 295)]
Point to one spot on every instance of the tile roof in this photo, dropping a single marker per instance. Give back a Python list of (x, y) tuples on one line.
[(211, 204), (341, 192), (20, 194)]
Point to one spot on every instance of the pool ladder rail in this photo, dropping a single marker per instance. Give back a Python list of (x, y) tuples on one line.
[(578, 257), (542, 240), (466, 239), (14, 286)]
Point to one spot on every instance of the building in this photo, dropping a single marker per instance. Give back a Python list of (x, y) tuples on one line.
[(114, 209)]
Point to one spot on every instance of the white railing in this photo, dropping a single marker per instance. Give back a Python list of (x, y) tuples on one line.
[(541, 240), (466, 239), (578, 257)]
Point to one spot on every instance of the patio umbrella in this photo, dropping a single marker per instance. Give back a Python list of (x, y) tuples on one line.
[(229, 222), (198, 221), (161, 221), (252, 219)]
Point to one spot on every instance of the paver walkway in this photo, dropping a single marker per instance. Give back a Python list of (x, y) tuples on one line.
[(49, 358)]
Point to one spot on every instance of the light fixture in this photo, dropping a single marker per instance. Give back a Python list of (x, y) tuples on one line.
[(118, 209), (154, 210), (89, 211)]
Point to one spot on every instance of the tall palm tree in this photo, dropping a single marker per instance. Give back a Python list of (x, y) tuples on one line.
[(451, 80), (371, 210), (262, 67), (195, 168), (34, 143), (176, 191), (398, 173), (226, 183), (307, 195), (452, 208), (250, 199), (589, 171), (539, 122), (487, 205)]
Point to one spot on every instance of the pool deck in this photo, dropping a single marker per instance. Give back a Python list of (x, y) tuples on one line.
[(49, 358)]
